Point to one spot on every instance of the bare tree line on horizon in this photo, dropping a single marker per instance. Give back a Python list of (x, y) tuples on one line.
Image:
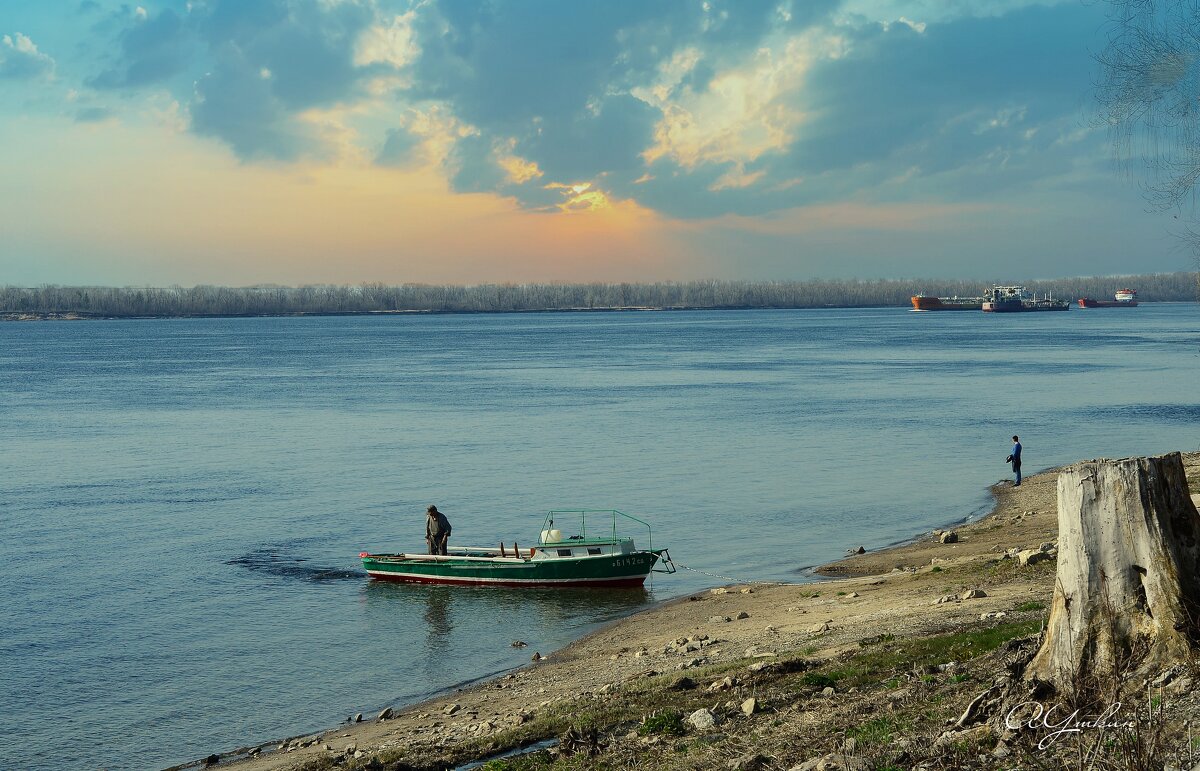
[(204, 300)]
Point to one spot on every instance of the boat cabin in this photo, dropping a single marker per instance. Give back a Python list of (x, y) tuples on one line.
[(578, 547)]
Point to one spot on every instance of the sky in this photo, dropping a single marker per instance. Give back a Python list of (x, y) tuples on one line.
[(245, 142)]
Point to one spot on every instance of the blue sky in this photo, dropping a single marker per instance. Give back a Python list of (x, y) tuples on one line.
[(296, 141)]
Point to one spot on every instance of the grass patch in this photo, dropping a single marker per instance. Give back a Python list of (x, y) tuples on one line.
[(1030, 605), (876, 639), (531, 762), (874, 665), (667, 722), (877, 731), (936, 569), (1010, 569), (818, 680)]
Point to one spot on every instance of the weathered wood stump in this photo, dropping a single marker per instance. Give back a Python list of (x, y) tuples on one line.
[(1127, 596)]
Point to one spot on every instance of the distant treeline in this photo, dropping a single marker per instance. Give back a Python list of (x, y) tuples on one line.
[(381, 298)]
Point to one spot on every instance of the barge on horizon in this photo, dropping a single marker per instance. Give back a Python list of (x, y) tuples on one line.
[(924, 302), (1124, 298), (1018, 299)]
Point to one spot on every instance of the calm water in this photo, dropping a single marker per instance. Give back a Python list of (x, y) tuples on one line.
[(183, 500)]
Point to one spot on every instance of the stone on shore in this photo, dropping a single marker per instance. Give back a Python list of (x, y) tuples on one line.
[(950, 536), (701, 720), (750, 706), (1031, 557)]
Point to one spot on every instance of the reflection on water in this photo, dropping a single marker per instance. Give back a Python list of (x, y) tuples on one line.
[(442, 605), (437, 616), (482, 623)]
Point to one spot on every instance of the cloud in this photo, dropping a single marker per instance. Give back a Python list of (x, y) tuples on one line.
[(702, 109), (875, 111), (695, 108), (250, 72), (20, 59), (151, 51), (579, 92)]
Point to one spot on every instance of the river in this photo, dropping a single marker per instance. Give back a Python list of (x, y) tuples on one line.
[(184, 500)]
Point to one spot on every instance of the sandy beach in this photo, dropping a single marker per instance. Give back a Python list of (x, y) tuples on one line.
[(736, 650)]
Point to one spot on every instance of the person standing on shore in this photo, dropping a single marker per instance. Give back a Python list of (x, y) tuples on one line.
[(437, 530), (1015, 459)]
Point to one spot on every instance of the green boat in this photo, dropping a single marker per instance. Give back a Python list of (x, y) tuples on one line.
[(601, 559)]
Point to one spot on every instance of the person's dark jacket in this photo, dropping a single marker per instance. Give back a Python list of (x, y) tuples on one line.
[(437, 527)]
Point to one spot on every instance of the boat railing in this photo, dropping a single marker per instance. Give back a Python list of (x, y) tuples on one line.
[(611, 514)]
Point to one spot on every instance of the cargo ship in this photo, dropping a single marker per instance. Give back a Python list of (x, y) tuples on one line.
[(1124, 298), (1018, 299), (923, 302)]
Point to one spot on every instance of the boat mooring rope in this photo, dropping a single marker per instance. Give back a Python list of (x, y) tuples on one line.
[(730, 579)]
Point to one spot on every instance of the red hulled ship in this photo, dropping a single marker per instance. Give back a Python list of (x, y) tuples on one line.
[(1124, 298)]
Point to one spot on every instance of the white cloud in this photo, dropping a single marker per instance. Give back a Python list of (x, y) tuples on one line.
[(387, 42), (740, 114), (20, 58)]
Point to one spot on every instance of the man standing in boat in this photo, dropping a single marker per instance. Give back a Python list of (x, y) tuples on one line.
[(1015, 460), (437, 530)]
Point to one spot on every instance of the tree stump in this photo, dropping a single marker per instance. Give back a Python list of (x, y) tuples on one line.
[(1127, 594)]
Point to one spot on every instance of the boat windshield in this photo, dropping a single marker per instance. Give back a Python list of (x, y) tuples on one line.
[(605, 524)]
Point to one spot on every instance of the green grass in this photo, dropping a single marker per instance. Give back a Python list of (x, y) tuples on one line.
[(531, 762), (667, 722), (874, 665), (1030, 605), (936, 569), (877, 731), (818, 680), (877, 639)]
